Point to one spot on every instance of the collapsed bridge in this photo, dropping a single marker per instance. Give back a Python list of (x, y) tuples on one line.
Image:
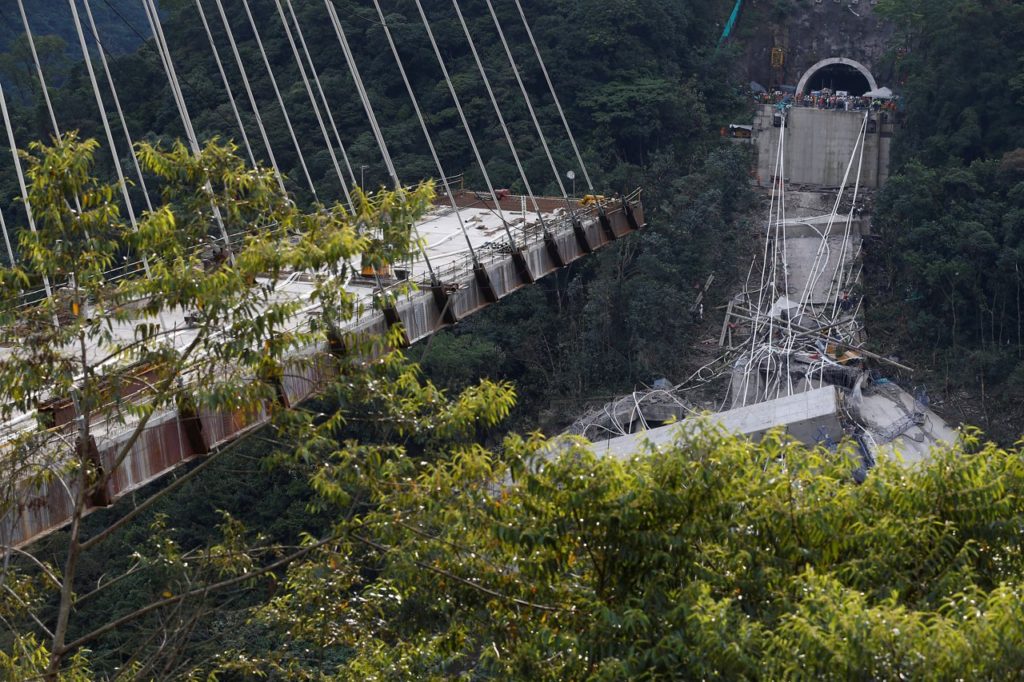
[(470, 250)]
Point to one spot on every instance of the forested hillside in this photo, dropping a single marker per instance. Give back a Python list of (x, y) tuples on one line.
[(951, 219), (56, 40), (643, 88), (627, 104)]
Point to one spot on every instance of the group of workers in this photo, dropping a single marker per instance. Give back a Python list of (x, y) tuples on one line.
[(829, 99), (826, 99)]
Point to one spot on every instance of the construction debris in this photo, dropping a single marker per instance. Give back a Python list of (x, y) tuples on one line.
[(793, 345)]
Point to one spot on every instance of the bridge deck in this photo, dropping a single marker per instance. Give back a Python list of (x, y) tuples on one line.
[(172, 439)]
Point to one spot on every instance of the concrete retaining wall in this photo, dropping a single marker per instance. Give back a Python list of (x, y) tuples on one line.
[(818, 145)]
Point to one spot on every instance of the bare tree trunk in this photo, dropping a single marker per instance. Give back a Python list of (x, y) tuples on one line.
[(85, 475)]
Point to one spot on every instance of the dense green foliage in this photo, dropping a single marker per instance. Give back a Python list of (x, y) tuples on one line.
[(56, 41), (713, 559), (108, 341), (951, 219), (383, 541), (53, 18)]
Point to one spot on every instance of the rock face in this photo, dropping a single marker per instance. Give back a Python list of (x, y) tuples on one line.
[(809, 31)]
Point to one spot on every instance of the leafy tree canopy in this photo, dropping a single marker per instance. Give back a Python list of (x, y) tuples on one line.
[(715, 558), (947, 274)]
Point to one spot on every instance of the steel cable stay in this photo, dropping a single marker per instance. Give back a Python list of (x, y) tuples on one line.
[(122, 183), (303, 57), (12, 261), (423, 127), (361, 90), (554, 96), (757, 322), (768, 355), (248, 91), (818, 266), (764, 352), (837, 279), (501, 118), (465, 123), (165, 57), (378, 136), (21, 181), (127, 134), (526, 99), (320, 92), (375, 128), (42, 84), (327, 110), (780, 234), (312, 102), (280, 99), (227, 84), (117, 106), (39, 70)]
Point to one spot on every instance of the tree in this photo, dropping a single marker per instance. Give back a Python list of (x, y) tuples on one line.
[(93, 313), (17, 64), (715, 557)]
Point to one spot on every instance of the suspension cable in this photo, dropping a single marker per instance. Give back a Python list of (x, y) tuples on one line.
[(837, 280), (39, 69), (42, 84), (554, 96), (320, 91), (818, 266), (7, 241), (426, 132), (165, 56), (227, 84), (375, 127), (526, 98), (462, 115), (280, 100), (21, 180), (117, 105), (248, 91), (168, 71), (106, 122), (497, 111), (312, 102), (354, 71)]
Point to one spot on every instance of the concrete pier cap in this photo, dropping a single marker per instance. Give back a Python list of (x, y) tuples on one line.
[(842, 67)]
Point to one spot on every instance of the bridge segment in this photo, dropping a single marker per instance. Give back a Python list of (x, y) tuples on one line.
[(174, 437)]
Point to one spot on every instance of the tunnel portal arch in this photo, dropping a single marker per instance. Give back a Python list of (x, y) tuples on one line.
[(837, 65)]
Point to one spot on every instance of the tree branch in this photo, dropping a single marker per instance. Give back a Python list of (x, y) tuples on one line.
[(31, 615), (170, 601), (383, 549), (31, 557)]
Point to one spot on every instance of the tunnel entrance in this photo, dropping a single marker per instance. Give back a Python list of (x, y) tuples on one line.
[(837, 73), (838, 77)]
